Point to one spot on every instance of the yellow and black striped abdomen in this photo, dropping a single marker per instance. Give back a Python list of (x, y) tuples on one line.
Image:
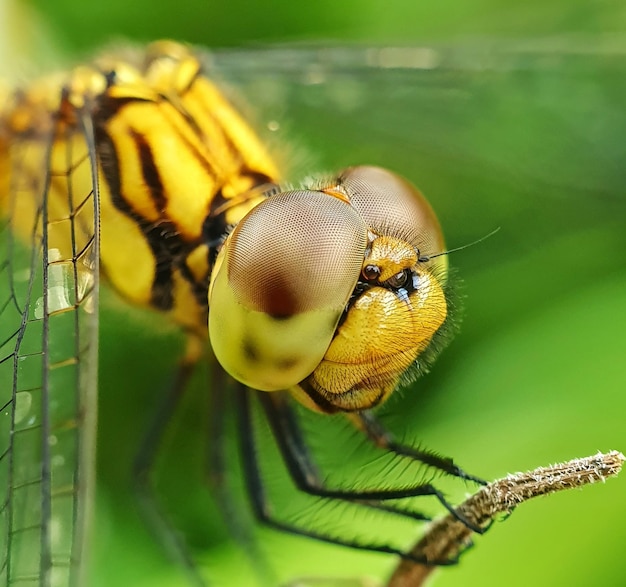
[(177, 166)]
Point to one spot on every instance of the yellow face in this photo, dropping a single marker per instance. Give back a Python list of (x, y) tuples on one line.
[(331, 293)]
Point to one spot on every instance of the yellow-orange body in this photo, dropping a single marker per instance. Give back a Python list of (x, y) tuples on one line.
[(177, 168)]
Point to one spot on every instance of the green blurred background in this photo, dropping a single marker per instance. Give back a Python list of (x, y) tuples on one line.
[(521, 125)]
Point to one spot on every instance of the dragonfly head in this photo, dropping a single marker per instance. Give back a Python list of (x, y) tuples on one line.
[(332, 293)]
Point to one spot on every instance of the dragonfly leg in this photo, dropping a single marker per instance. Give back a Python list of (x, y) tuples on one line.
[(381, 437), (143, 468), (307, 478), (217, 476)]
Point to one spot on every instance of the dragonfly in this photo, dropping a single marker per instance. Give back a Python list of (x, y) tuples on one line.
[(68, 277)]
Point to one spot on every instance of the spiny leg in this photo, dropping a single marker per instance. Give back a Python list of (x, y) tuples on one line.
[(381, 437), (384, 439), (304, 471), (304, 474), (288, 435)]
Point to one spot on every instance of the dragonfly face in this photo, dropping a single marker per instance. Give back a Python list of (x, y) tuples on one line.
[(330, 293)]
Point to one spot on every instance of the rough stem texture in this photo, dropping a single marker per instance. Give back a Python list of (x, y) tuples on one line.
[(446, 538)]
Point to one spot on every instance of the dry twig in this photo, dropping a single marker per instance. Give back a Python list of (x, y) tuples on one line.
[(448, 537)]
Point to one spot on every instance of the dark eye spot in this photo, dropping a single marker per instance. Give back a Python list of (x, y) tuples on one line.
[(287, 363), (371, 272), (399, 279), (250, 351)]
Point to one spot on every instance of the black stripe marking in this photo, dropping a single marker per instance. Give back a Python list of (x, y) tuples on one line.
[(323, 403), (199, 289), (166, 246), (318, 399), (150, 172), (215, 228), (170, 248), (170, 251)]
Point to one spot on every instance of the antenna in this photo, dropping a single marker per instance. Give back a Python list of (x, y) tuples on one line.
[(424, 259)]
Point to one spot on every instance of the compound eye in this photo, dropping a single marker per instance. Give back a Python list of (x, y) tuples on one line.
[(391, 206), (280, 285)]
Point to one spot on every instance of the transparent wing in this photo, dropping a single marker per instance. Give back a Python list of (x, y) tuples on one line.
[(48, 350), (519, 135)]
